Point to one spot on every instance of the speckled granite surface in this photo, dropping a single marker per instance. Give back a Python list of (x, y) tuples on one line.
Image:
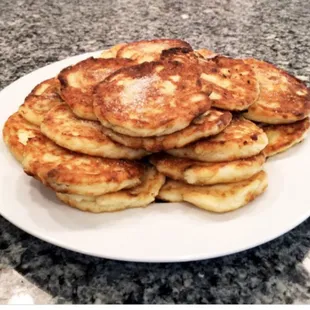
[(35, 33)]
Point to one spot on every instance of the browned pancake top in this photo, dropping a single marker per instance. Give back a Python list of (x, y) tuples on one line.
[(71, 172), (78, 82), (41, 99), (151, 99), (240, 139), (16, 133), (283, 98), (83, 136), (232, 82), (50, 87)]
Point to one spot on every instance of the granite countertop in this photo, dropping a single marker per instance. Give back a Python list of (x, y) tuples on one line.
[(35, 33)]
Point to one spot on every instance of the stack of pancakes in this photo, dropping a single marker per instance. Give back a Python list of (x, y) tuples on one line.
[(156, 119)]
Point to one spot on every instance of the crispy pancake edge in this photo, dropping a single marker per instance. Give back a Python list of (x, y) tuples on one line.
[(82, 136), (215, 198), (279, 115), (290, 135), (133, 50), (136, 197), (225, 146), (202, 173), (195, 131), (16, 132)]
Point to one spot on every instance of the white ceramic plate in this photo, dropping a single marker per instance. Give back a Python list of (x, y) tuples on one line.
[(165, 232)]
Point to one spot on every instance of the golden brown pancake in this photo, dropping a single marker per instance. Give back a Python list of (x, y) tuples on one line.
[(16, 132), (283, 137), (150, 99), (282, 99), (41, 99), (202, 173), (74, 173), (149, 50), (240, 139), (48, 87), (208, 124), (70, 132), (66, 171), (216, 198), (232, 81), (78, 82), (111, 52), (136, 197)]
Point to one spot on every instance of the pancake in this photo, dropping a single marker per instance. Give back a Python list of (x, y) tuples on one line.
[(283, 98), (111, 52), (16, 132), (136, 197), (232, 81), (78, 82), (70, 132), (149, 50), (202, 173), (205, 53), (216, 198), (41, 99), (283, 137), (73, 173), (210, 123), (240, 139), (49, 87), (150, 99)]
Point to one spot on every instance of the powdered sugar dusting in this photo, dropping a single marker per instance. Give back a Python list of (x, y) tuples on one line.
[(134, 92)]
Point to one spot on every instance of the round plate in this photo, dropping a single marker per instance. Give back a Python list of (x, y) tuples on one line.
[(162, 232)]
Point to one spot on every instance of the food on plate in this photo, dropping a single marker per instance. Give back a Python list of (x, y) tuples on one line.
[(216, 198), (282, 99), (283, 137), (69, 172), (150, 99), (41, 99), (135, 197), (233, 83), (208, 124), (78, 82), (206, 173), (87, 137), (16, 133), (240, 139), (149, 50), (63, 170), (155, 119)]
